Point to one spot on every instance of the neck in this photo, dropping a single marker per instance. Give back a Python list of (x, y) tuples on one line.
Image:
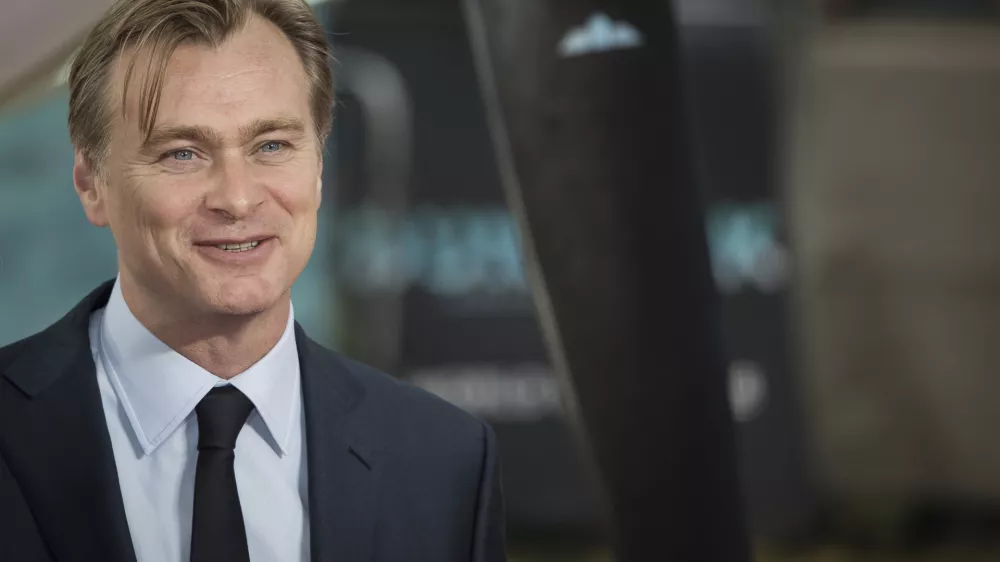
[(222, 344)]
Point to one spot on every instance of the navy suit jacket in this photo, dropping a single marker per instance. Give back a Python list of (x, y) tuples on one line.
[(395, 474)]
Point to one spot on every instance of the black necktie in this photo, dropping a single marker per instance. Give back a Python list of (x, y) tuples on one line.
[(217, 530)]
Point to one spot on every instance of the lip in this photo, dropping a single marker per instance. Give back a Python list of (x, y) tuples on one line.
[(243, 240)]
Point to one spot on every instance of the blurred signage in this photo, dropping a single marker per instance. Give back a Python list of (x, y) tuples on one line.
[(747, 389), (746, 252), (457, 252), (598, 35), (450, 252), (520, 393)]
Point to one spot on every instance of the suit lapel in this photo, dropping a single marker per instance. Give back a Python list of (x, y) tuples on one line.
[(55, 441), (343, 471)]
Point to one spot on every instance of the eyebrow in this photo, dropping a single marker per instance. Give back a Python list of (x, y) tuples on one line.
[(164, 135), (256, 128), (264, 126)]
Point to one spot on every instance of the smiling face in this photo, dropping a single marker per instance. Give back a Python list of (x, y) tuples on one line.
[(216, 212)]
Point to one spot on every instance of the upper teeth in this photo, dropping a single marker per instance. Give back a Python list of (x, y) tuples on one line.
[(238, 247)]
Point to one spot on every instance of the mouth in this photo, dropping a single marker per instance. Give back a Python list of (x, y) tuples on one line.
[(237, 248), (234, 246)]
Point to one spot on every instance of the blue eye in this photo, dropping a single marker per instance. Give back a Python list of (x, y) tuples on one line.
[(272, 146), (182, 155)]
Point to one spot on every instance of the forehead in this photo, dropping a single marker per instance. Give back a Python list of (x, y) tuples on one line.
[(254, 74)]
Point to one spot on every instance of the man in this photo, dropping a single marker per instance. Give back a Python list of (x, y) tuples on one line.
[(178, 412)]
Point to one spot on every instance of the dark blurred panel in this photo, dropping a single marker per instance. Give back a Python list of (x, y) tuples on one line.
[(431, 280), (587, 116), (734, 106)]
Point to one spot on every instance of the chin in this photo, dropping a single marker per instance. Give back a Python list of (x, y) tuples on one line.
[(245, 296)]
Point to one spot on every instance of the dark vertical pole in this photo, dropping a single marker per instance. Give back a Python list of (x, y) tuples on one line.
[(733, 76), (585, 105)]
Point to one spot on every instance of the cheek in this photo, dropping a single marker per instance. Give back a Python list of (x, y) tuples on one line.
[(157, 208), (297, 196), (299, 204)]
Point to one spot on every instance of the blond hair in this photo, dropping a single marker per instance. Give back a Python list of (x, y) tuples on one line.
[(159, 27)]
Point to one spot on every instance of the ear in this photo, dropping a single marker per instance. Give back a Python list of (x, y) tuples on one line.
[(91, 190)]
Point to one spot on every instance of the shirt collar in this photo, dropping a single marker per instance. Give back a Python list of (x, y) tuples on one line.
[(159, 388)]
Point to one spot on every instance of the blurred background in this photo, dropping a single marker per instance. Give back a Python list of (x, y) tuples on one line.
[(846, 153)]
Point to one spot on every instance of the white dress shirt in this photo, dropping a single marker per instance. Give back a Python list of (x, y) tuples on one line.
[(149, 393)]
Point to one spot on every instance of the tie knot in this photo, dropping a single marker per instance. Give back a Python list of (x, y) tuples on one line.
[(221, 415)]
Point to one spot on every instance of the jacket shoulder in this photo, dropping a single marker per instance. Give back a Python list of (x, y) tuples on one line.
[(410, 402), (71, 332), (437, 447), (400, 413), (10, 352)]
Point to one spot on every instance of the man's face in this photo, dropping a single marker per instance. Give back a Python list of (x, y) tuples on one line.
[(217, 211)]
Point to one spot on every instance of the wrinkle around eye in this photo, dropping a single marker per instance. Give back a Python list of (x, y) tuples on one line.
[(284, 152)]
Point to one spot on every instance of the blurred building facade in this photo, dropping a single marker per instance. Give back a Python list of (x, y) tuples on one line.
[(893, 199)]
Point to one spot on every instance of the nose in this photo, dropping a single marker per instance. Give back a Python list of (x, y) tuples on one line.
[(235, 193)]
